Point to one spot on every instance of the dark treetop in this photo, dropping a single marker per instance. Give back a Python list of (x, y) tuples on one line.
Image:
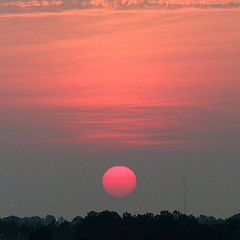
[(109, 225)]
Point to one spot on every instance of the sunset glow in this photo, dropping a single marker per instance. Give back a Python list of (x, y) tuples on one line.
[(143, 83), (88, 84)]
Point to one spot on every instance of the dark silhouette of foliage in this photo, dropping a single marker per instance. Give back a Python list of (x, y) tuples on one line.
[(109, 225)]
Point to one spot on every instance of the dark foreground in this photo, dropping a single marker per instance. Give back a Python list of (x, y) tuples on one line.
[(109, 225)]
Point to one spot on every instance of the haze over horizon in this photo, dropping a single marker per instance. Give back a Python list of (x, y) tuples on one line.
[(152, 85)]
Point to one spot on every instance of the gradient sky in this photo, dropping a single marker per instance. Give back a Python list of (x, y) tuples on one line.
[(86, 85)]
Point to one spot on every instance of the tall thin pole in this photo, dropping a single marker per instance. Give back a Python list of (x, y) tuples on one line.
[(184, 195)]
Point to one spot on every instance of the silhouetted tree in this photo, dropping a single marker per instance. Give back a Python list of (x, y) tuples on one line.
[(109, 225)]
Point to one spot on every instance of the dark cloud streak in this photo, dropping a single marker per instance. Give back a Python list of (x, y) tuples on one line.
[(11, 6)]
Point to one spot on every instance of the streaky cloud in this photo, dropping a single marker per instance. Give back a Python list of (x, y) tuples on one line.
[(24, 4), (11, 6)]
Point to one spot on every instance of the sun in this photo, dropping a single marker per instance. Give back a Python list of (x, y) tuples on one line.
[(119, 181)]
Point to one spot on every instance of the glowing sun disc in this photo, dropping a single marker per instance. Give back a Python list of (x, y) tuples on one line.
[(119, 181)]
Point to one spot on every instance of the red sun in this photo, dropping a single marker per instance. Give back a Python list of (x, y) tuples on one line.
[(119, 181)]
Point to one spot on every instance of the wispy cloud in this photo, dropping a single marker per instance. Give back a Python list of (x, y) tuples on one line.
[(35, 3), (124, 79), (11, 6), (166, 4)]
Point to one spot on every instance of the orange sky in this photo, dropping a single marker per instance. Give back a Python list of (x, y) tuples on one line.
[(132, 78), (82, 90)]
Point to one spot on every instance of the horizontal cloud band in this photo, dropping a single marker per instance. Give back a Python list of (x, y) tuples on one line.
[(11, 6)]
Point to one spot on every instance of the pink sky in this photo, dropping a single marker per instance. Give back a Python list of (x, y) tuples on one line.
[(137, 77), (84, 88)]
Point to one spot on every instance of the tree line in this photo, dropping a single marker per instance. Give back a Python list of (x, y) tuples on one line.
[(109, 225)]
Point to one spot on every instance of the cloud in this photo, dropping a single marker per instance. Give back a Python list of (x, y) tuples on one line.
[(11, 6), (35, 3)]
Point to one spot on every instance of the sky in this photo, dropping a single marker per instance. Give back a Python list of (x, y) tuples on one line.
[(90, 84)]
